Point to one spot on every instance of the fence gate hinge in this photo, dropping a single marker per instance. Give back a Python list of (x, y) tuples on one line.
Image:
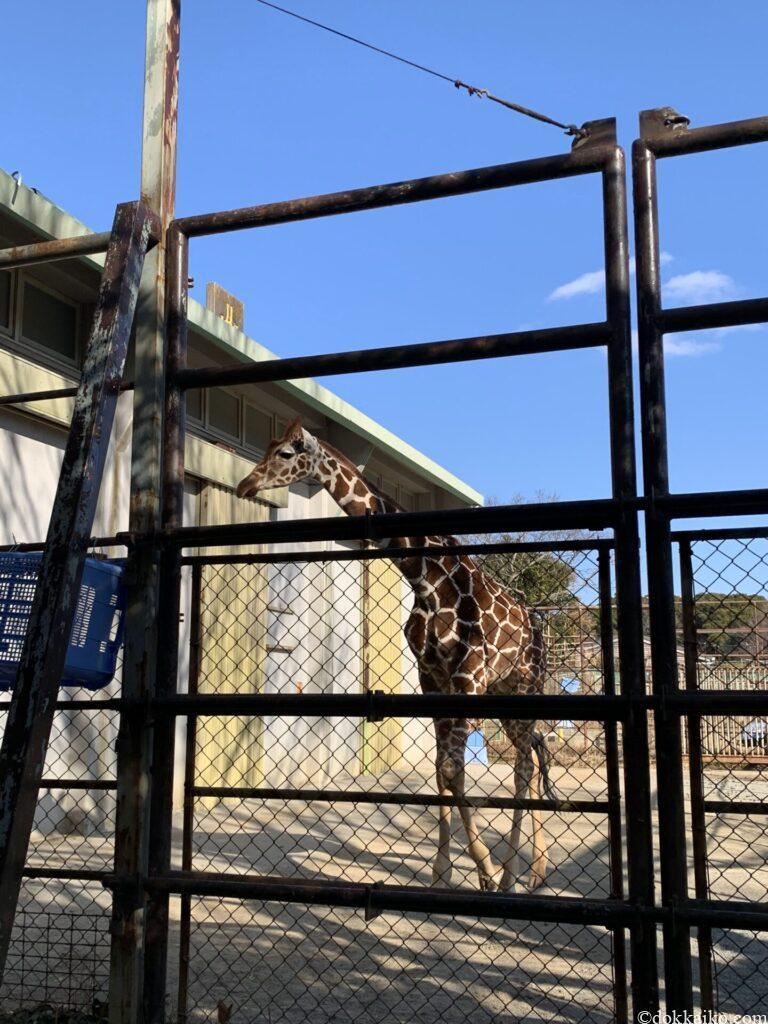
[(371, 912)]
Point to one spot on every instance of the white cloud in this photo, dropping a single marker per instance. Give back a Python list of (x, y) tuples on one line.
[(587, 284), (688, 347), (700, 286), (593, 281)]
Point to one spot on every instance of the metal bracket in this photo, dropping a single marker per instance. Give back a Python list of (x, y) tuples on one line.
[(372, 715), (371, 912), (596, 133), (662, 121)]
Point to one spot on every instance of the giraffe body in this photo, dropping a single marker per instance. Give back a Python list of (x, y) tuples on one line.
[(467, 634)]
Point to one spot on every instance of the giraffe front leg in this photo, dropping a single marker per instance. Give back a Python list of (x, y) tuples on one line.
[(489, 875), (442, 867)]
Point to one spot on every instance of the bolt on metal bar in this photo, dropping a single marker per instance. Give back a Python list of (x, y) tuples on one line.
[(55, 249), (398, 357), (33, 704), (584, 159)]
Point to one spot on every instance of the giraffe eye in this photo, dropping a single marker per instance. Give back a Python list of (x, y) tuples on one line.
[(286, 453)]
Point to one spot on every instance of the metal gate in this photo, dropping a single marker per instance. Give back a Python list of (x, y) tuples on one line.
[(147, 876)]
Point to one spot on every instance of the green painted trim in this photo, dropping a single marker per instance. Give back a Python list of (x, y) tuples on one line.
[(40, 213), (209, 462)]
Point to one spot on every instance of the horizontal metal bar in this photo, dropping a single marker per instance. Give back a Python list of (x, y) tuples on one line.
[(380, 898), (67, 874), (735, 807), (377, 705), (398, 357), (45, 396), (713, 136), (94, 542), (381, 798), (108, 704), (78, 784), (595, 515), (732, 533), (727, 702), (724, 913), (368, 554), (584, 160), (701, 504), (712, 315), (377, 898), (55, 249)]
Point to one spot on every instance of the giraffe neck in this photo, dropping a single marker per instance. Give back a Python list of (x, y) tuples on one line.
[(352, 493), (347, 486)]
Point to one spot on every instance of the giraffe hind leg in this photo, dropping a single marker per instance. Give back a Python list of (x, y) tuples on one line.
[(528, 780)]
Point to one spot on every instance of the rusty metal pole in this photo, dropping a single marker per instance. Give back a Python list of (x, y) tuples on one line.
[(158, 184), (25, 741)]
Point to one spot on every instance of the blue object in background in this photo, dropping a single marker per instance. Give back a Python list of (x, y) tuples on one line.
[(97, 631), (476, 751)]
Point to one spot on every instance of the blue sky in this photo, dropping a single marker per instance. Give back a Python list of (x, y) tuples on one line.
[(272, 109)]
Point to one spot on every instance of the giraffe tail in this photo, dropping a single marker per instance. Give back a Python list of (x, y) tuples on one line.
[(544, 757)]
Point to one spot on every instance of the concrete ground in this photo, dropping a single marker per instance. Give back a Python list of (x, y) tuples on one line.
[(285, 964)]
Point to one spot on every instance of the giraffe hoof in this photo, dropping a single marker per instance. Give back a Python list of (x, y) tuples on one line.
[(490, 882), (535, 881)]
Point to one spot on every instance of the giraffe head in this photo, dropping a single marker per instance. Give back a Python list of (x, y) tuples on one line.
[(293, 457)]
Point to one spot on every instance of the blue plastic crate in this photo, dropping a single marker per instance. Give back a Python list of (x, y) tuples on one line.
[(97, 632)]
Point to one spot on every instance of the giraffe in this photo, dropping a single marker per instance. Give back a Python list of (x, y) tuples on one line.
[(467, 634)]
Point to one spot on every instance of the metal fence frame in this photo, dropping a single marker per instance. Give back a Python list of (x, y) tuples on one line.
[(140, 917)]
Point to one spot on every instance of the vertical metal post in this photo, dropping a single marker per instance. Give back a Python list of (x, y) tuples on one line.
[(28, 728), (161, 804), (644, 973), (158, 183), (613, 784), (696, 774), (661, 598), (188, 820)]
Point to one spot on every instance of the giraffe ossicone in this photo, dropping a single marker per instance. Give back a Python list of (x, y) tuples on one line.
[(468, 635)]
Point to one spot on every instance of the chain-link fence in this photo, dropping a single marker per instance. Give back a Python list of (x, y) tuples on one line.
[(338, 799), (324, 800), (59, 952), (723, 621)]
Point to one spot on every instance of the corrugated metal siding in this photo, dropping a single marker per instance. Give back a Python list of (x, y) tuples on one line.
[(382, 660), (229, 750)]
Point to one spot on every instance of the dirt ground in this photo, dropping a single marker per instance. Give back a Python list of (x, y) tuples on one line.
[(285, 964)]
